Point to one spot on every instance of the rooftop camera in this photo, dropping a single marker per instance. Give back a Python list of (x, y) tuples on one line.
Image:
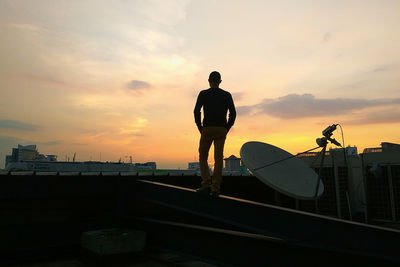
[(327, 133), (329, 130)]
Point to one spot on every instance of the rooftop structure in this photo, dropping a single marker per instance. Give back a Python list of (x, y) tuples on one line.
[(381, 168), (385, 147), (146, 166), (27, 153), (27, 158), (232, 163), (350, 150), (194, 166)]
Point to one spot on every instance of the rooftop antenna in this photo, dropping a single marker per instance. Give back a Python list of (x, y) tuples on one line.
[(73, 159), (280, 170), (130, 159), (283, 171)]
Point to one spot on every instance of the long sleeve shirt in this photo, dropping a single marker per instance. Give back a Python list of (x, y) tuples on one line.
[(216, 103)]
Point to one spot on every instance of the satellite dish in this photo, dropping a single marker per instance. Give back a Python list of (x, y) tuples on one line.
[(291, 177)]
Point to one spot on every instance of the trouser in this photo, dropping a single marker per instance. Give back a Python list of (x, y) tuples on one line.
[(208, 135)]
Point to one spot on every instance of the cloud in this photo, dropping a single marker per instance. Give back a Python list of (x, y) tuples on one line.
[(92, 49), (384, 68), (138, 86), (137, 134), (135, 128), (237, 96), (49, 143), (7, 142), (296, 106), (44, 79), (78, 144), (17, 125), (377, 117), (327, 36), (246, 110)]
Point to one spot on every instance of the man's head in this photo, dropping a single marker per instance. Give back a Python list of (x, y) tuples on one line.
[(214, 79)]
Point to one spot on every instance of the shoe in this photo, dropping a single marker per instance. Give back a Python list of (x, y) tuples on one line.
[(203, 190), (214, 194)]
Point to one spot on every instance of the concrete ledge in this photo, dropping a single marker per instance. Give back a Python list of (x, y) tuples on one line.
[(110, 173), (46, 173), (192, 173), (128, 173), (161, 173), (90, 173), (69, 173), (146, 173), (24, 173)]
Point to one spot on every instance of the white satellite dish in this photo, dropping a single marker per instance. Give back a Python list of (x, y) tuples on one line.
[(290, 176)]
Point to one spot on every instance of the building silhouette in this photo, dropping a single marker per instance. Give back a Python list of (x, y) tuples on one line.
[(232, 164)]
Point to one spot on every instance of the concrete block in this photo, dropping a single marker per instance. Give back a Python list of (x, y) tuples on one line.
[(113, 241), (146, 174)]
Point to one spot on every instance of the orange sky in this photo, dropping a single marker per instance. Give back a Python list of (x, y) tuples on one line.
[(122, 79)]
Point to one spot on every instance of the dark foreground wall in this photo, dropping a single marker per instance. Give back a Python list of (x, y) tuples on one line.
[(42, 211), (50, 211)]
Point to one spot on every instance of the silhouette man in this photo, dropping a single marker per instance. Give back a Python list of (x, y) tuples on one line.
[(215, 102)]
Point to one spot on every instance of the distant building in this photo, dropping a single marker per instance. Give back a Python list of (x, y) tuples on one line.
[(27, 153), (194, 166), (8, 159), (63, 166), (146, 166), (27, 158), (390, 147), (341, 176), (232, 164), (382, 183), (51, 157), (152, 164), (385, 147), (14, 155), (350, 150)]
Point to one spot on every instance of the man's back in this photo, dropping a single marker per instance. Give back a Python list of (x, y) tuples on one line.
[(215, 102)]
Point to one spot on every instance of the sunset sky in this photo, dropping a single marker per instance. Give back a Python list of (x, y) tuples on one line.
[(120, 78)]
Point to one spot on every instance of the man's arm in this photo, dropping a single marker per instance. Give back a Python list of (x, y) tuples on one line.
[(232, 112), (197, 112)]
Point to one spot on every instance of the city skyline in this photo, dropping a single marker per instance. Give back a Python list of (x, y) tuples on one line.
[(122, 79)]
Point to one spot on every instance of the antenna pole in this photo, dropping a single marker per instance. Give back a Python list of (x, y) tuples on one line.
[(319, 175)]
